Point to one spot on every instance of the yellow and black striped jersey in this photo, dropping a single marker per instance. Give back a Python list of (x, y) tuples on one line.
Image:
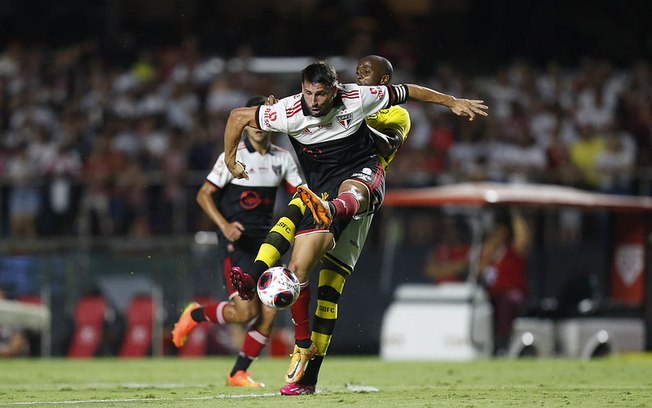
[(395, 118)]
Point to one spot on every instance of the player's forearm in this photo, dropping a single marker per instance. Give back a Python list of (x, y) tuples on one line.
[(232, 135), (206, 202), (238, 120), (422, 94)]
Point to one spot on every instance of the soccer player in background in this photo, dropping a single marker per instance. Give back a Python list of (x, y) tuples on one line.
[(243, 216), (325, 124)]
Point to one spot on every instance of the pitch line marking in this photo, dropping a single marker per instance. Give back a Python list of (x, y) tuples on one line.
[(125, 400)]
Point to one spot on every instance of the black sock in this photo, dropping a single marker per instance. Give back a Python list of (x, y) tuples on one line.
[(198, 314), (242, 363), (303, 343), (312, 371), (331, 207)]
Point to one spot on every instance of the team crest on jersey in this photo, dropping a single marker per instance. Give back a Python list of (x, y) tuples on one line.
[(344, 120), (277, 170)]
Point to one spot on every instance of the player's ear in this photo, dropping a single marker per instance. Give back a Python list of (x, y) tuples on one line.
[(384, 80)]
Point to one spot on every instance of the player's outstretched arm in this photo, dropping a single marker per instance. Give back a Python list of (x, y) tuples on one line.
[(459, 106), (238, 119)]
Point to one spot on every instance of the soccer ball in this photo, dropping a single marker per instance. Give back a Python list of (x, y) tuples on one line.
[(278, 287)]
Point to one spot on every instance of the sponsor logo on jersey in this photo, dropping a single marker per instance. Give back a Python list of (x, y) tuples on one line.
[(344, 120), (269, 116), (249, 199), (379, 91), (313, 152)]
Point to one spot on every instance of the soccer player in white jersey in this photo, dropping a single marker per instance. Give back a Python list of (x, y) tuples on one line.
[(390, 128), (243, 217), (325, 124)]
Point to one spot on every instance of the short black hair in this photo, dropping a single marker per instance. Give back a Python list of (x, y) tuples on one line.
[(320, 73), (256, 101)]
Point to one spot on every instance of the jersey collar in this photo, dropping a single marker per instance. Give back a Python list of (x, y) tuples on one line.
[(250, 147)]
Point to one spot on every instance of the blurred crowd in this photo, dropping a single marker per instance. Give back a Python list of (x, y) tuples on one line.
[(94, 147)]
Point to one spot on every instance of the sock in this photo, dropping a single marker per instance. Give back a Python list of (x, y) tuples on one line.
[(344, 206), (312, 371), (214, 312), (279, 239), (198, 314), (253, 345), (301, 317), (332, 277)]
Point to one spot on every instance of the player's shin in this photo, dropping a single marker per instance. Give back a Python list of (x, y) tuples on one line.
[(280, 238), (253, 346), (301, 317), (332, 278)]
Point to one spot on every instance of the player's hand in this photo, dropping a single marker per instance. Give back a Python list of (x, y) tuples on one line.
[(233, 231), (238, 169), (271, 100), (469, 107)]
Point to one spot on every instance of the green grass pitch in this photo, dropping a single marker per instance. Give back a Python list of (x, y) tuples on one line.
[(624, 381)]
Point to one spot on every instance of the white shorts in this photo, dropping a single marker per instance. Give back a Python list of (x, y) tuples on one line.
[(349, 246)]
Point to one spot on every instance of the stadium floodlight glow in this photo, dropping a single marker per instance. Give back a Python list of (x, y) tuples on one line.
[(524, 346), (491, 196), (598, 345), (205, 237)]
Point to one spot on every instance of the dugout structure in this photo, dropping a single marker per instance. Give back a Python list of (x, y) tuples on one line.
[(585, 296)]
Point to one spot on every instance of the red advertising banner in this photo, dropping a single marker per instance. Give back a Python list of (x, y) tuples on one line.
[(628, 261)]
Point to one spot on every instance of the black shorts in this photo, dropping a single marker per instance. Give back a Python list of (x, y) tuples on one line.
[(371, 174)]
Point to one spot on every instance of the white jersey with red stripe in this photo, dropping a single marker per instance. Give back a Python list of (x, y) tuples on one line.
[(353, 104), (330, 146), (251, 201)]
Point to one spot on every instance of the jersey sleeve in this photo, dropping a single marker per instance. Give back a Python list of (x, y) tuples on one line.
[(273, 118), (375, 98), (220, 175)]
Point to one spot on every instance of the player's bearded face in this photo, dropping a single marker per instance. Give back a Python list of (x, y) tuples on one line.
[(319, 98)]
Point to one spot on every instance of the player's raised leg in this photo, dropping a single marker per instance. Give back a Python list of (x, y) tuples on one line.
[(277, 243)]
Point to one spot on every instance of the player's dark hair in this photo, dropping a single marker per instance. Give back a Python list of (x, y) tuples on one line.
[(320, 73), (256, 101)]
